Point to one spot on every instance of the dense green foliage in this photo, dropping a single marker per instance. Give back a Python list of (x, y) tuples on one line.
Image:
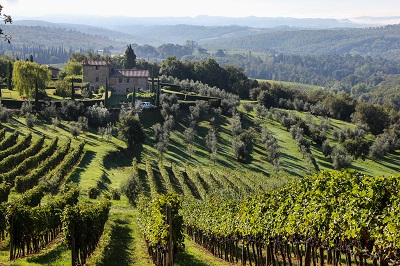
[(82, 227), (25, 182), (131, 131), (229, 78), (29, 75), (129, 58), (19, 146), (9, 141), (30, 162), (339, 210), (31, 229), (153, 222), (15, 159)]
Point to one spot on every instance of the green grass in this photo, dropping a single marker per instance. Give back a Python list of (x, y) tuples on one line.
[(122, 243), (196, 255), (10, 94), (294, 85)]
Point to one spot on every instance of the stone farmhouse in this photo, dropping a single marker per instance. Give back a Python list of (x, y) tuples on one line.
[(120, 81)]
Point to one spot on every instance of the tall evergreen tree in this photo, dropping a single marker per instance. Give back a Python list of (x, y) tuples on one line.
[(106, 94), (130, 58), (9, 75)]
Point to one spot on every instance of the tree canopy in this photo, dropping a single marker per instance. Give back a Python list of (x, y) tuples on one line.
[(27, 74), (130, 130)]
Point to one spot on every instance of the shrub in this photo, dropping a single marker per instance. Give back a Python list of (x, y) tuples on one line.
[(131, 188), (97, 115), (74, 129), (71, 110), (94, 192), (30, 120), (83, 122), (63, 88), (4, 114), (49, 111), (87, 93), (26, 108), (326, 148), (116, 194), (340, 159)]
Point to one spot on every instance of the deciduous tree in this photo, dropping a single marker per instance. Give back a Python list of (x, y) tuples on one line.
[(27, 74), (131, 131)]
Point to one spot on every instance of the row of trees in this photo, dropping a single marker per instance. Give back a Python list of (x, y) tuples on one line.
[(40, 54), (230, 78), (326, 103)]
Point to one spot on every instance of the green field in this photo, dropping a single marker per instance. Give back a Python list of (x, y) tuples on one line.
[(106, 165), (293, 85)]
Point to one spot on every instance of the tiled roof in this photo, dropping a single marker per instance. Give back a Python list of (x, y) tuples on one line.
[(130, 73), (96, 63)]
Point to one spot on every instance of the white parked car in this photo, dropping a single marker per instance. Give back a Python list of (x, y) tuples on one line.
[(147, 105)]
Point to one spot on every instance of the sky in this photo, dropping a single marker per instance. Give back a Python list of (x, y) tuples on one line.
[(339, 9)]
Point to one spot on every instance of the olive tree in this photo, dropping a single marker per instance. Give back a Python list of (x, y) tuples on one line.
[(131, 131)]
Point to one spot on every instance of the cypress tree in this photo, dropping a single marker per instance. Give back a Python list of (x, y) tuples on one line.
[(130, 58), (72, 90), (106, 95), (9, 75), (36, 96)]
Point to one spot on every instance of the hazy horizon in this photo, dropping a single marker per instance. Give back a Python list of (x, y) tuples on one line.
[(339, 9)]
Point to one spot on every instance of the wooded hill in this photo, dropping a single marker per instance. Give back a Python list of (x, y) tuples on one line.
[(377, 41), (380, 41)]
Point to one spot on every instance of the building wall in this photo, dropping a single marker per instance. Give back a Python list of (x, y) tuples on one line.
[(121, 86), (96, 75), (125, 85)]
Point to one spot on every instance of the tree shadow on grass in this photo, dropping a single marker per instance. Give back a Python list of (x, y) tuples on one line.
[(183, 259), (51, 256), (82, 167), (116, 252), (121, 158)]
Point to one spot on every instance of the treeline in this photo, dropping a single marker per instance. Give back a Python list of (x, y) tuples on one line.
[(40, 54)]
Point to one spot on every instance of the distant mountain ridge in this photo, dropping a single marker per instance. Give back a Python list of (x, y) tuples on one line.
[(252, 21)]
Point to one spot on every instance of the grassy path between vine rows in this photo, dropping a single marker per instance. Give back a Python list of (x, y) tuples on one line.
[(123, 244)]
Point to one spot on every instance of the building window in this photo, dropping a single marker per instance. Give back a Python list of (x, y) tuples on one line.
[(127, 80), (97, 67), (120, 80), (97, 79)]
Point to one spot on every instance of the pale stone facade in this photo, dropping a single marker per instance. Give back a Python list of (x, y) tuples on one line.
[(120, 81)]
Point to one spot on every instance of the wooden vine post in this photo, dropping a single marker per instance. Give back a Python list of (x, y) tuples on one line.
[(170, 258), (11, 238), (73, 246)]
